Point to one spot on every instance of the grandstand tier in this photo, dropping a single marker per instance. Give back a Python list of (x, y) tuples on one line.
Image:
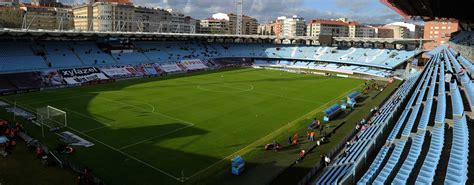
[(428, 143), (42, 55)]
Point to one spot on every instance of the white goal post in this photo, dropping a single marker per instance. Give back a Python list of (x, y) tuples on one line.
[(51, 117)]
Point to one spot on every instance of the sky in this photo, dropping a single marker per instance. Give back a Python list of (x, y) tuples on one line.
[(364, 11)]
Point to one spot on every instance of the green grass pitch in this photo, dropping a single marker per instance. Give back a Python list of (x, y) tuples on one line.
[(171, 130)]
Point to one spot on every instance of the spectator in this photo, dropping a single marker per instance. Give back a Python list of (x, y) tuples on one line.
[(301, 156), (448, 76), (321, 129), (322, 160), (327, 160), (277, 146), (346, 149), (39, 152), (312, 136), (294, 140), (461, 72), (302, 153), (12, 144), (19, 127)]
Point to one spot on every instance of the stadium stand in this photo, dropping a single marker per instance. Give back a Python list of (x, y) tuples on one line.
[(323, 66), (413, 152), (19, 57), (90, 54), (34, 56), (59, 55)]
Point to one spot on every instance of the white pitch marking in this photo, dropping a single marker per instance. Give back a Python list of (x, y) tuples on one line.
[(263, 138), (157, 113), (115, 149)]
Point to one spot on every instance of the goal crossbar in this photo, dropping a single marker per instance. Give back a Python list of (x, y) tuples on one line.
[(52, 114), (55, 109)]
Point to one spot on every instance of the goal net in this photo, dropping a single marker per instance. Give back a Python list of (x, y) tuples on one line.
[(51, 117)]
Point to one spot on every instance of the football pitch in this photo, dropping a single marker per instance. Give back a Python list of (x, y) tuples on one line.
[(169, 131)]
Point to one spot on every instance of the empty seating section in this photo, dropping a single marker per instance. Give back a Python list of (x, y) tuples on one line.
[(427, 171), (408, 164), (21, 63), (368, 176), (458, 158), (334, 174), (390, 165), (416, 108), (13, 49), (90, 54), (397, 171), (331, 67), (352, 153), (33, 56), (134, 57), (383, 58), (18, 56), (417, 142), (458, 108), (60, 55), (425, 116), (369, 133), (153, 51)]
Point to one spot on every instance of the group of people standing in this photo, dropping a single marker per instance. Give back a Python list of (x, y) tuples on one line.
[(10, 132)]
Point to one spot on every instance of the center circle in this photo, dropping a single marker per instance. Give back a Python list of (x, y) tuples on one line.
[(225, 87)]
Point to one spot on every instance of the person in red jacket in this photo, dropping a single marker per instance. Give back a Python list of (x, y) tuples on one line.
[(295, 139)]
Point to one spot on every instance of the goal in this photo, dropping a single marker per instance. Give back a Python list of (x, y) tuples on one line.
[(51, 117)]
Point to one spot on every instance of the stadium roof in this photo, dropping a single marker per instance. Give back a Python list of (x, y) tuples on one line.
[(89, 34), (430, 9), (381, 40)]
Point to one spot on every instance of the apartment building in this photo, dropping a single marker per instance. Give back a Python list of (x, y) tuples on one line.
[(439, 30)]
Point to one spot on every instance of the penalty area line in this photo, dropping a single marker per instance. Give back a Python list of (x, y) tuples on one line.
[(129, 156), (180, 179)]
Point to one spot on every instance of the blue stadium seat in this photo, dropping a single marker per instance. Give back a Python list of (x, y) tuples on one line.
[(409, 163), (390, 165), (333, 174), (374, 167)]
